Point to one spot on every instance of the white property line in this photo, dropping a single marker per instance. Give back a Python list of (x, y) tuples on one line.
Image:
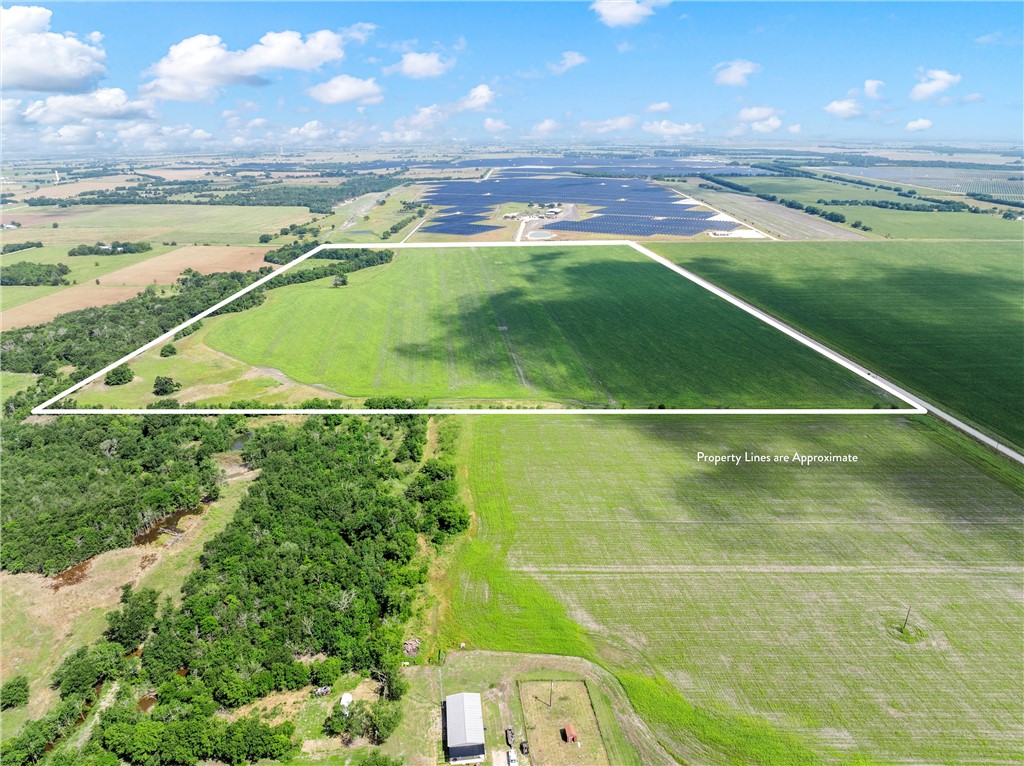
[(916, 406)]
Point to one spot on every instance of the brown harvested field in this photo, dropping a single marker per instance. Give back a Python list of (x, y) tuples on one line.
[(569, 704), (164, 269), (127, 282), (178, 174), (77, 297)]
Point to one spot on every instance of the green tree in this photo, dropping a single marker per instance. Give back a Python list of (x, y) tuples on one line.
[(168, 350), (14, 693), (130, 624), (165, 386), (119, 376), (385, 715)]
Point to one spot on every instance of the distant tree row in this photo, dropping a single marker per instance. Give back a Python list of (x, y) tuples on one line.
[(13, 247), (114, 248)]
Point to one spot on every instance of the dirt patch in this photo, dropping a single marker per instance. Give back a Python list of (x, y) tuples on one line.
[(65, 190), (273, 709)]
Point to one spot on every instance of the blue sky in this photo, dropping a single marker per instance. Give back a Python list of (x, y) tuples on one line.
[(82, 77)]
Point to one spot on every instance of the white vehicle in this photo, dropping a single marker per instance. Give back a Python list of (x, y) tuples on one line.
[(513, 758)]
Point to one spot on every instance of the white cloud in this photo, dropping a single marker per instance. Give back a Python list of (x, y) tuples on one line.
[(102, 104), (767, 125), (36, 59), (795, 128), (478, 98), (993, 38), (359, 32), (624, 47), (613, 125), (932, 83), (624, 13), (199, 66), (312, 131), (257, 123), (843, 108), (919, 124), (658, 107), (420, 66), (871, 88), (492, 125), (71, 136), (752, 113), (735, 72), (569, 60), (972, 98), (545, 128), (345, 88), (669, 129), (201, 135)]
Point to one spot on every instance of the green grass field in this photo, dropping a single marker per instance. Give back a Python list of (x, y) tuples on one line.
[(184, 224), (752, 612), (574, 325), (898, 224), (942, 319)]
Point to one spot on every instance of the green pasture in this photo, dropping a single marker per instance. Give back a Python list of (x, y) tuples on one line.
[(752, 612), (578, 326), (941, 319)]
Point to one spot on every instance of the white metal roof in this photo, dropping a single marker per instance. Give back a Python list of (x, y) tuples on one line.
[(465, 719)]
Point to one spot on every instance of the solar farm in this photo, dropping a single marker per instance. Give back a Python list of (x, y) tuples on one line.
[(629, 207)]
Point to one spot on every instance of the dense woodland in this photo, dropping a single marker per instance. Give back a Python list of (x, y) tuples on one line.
[(320, 559), (75, 487), (114, 248)]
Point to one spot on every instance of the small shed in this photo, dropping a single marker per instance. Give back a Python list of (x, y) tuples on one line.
[(464, 728), (569, 732)]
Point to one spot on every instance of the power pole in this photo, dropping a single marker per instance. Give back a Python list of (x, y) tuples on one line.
[(905, 619), (551, 694)]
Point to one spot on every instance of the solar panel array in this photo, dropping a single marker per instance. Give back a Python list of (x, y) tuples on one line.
[(629, 207)]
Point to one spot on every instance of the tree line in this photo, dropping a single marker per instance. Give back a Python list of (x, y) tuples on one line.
[(114, 248), (34, 274)]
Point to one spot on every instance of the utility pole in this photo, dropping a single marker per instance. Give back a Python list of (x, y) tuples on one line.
[(551, 694), (905, 620)]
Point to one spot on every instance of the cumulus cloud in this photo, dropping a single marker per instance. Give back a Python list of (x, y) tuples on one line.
[(312, 131), (345, 88), (545, 128), (658, 107), (102, 104), (734, 73), (200, 66), (569, 60), (478, 98), (421, 124), (795, 128), (419, 66), (872, 88), (613, 125), (34, 58), (71, 136), (492, 125), (972, 98), (669, 129), (767, 125), (843, 108), (624, 13), (919, 124), (752, 113), (932, 83)]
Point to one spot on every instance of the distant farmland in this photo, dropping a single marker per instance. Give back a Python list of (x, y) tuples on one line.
[(576, 326), (753, 612), (942, 319)]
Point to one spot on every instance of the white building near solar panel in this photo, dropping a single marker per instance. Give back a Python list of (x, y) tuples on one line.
[(464, 728)]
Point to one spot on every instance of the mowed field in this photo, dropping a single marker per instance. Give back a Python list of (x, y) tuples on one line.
[(183, 224), (753, 612), (99, 285), (942, 319), (898, 224), (597, 326)]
